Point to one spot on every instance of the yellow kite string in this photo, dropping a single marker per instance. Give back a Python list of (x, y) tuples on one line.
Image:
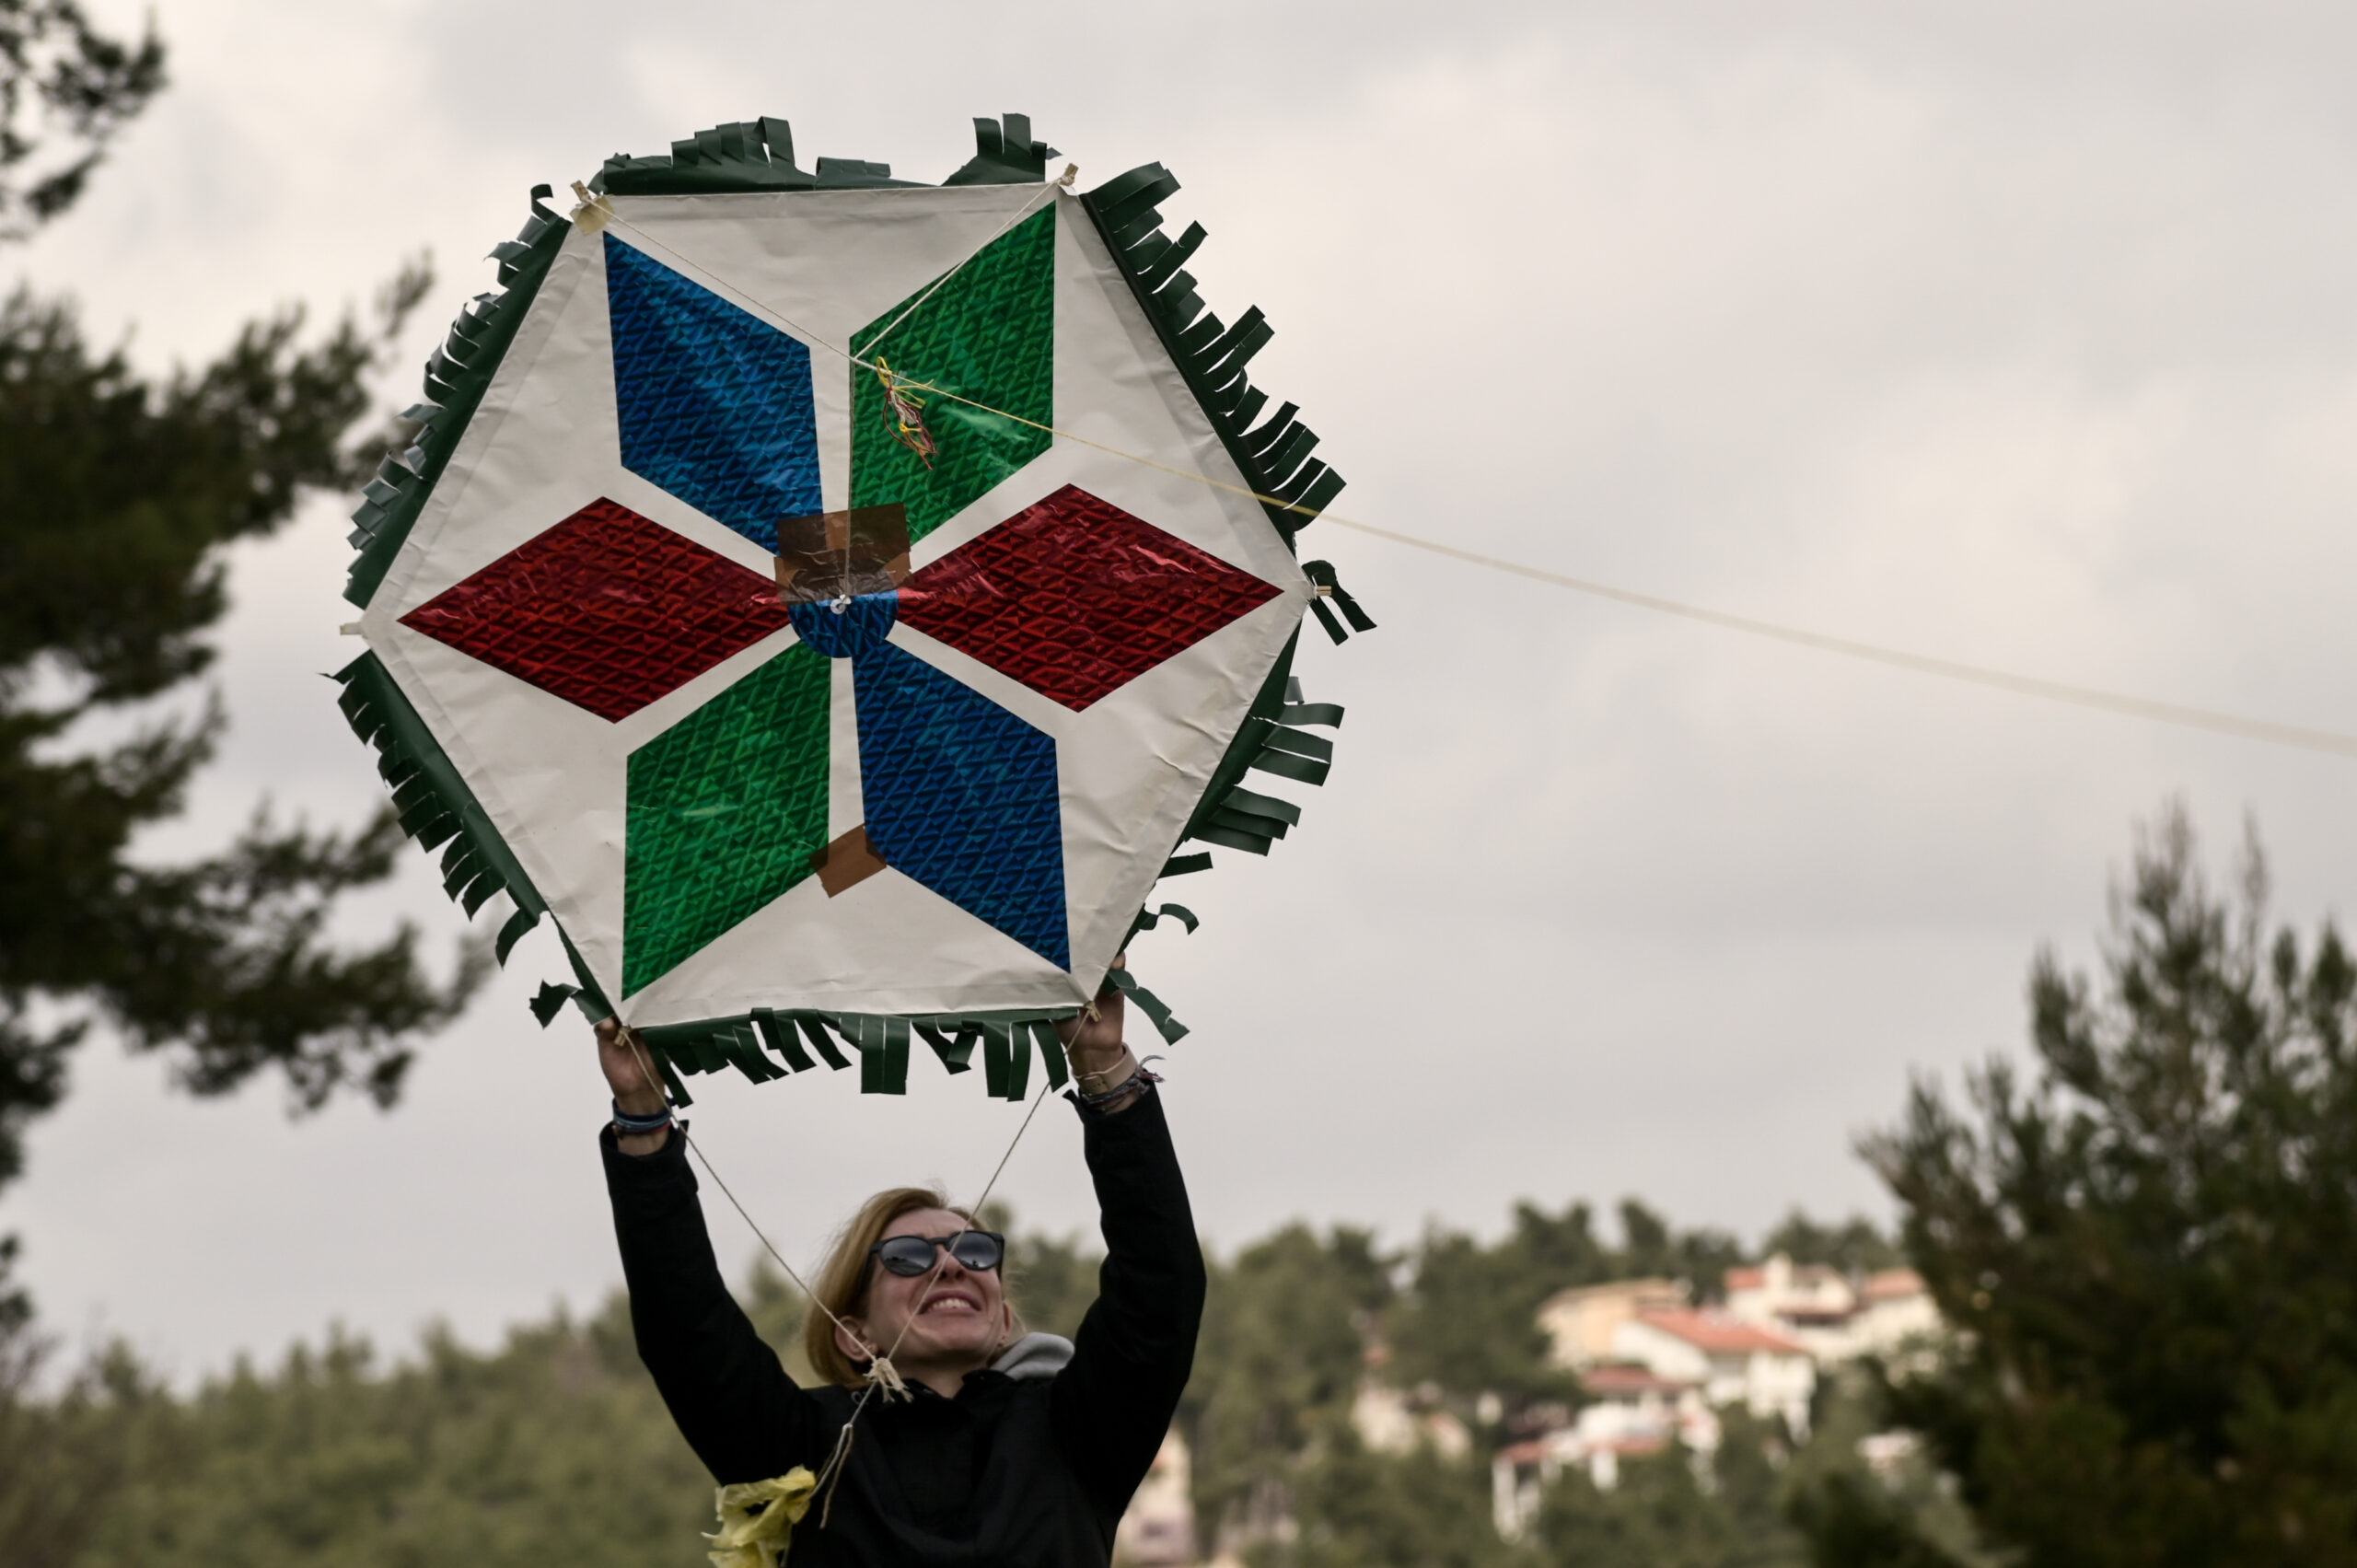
[(2331, 742)]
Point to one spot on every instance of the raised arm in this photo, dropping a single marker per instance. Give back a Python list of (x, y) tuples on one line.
[(734, 1403), (1135, 1347)]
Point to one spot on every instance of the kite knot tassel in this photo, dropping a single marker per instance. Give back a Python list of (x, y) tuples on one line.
[(1071, 173), (886, 1378)]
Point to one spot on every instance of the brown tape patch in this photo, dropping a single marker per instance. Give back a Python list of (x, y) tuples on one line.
[(846, 862), (827, 554)]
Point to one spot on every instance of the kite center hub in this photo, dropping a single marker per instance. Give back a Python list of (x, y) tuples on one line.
[(839, 576), (847, 627)]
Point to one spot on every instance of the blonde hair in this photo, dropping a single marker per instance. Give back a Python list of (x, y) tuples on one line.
[(842, 1283)]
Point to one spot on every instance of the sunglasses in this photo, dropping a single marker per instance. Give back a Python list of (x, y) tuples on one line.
[(909, 1256)]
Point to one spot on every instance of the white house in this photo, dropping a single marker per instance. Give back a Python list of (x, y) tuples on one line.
[(1656, 1369), (1894, 1309), (1731, 1361), (1834, 1318), (1579, 1323), (1780, 1286), (1631, 1412)]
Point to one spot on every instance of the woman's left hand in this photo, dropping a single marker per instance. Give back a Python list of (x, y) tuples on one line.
[(1094, 1045)]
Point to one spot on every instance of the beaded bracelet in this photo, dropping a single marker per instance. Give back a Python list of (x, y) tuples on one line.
[(1138, 1080), (628, 1125)]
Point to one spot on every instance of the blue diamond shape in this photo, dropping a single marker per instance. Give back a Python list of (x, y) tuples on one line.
[(961, 797), (714, 404)]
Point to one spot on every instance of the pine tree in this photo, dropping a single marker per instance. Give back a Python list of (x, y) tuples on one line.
[(2149, 1250)]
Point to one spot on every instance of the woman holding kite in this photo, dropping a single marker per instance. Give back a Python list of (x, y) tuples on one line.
[(830, 701), (1005, 1448)]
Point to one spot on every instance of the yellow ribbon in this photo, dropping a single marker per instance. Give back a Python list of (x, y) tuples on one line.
[(756, 1517)]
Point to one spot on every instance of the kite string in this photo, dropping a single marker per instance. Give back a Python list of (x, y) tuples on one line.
[(2329, 742)]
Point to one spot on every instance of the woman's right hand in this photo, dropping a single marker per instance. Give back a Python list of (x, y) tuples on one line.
[(636, 1088)]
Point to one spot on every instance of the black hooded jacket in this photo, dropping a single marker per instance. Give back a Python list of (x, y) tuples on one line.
[(1027, 1473)]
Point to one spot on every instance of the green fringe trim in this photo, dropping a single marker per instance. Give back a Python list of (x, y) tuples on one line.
[(1271, 739), (456, 378), (434, 804), (767, 1043), (758, 154), (1273, 454)]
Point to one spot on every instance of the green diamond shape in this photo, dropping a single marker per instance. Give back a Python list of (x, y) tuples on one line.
[(726, 809), (990, 334)]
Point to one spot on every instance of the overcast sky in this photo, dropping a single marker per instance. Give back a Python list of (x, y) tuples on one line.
[(2007, 332)]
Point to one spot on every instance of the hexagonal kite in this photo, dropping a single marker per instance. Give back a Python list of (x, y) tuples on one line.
[(836, 599)]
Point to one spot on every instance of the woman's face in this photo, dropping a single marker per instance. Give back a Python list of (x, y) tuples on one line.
[(951, 1316)]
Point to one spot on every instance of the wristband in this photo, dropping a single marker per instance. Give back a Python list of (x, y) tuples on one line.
[(1138, 1080), (628, 1125)]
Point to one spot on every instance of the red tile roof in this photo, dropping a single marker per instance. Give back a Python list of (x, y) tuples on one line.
[(1887, 1283), (1626, 1379), (1720, 1334)]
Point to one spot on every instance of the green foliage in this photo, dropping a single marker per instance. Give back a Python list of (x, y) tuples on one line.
[(1651, 1247), (2150, 1247), (1468, 1325), (1279, 1360), (1052, 1280), (1905, 1516), (1665, 1513), (1358, 1509), (555, 1449), (1855, 1246), (1849, 1519)]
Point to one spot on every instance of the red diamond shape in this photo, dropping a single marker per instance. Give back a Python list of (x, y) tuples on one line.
[(607, 609), (1075, 599)]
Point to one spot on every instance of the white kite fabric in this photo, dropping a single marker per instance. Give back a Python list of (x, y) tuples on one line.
[(805, 591)]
